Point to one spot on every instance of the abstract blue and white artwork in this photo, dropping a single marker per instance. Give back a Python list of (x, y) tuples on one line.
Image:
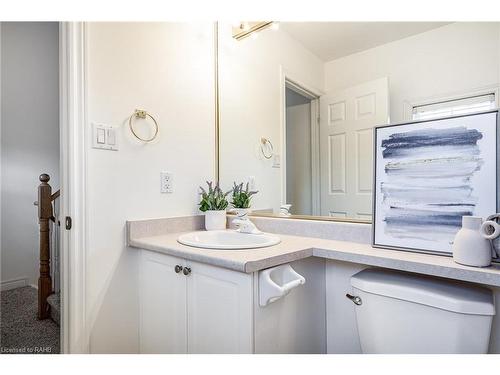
[(428, 175)]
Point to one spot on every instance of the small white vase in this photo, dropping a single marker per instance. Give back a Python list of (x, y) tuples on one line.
[(215, 220), (242, 213), (470, 248)]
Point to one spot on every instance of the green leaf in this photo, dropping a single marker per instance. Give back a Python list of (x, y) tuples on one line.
[(242, 198), (214, 199)]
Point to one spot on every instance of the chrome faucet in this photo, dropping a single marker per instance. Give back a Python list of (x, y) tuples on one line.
[(285, 210), (246, 226)]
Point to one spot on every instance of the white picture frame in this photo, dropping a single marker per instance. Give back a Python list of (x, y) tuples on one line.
[(430, 173)]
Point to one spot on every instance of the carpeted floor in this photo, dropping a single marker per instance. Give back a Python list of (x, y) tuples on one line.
[(20, 331)]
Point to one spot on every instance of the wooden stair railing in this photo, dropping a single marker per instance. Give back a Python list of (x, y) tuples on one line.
[(45, 214)]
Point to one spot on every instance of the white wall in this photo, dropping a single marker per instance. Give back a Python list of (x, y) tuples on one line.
[(449, 60), (29, 138), (166, 69), (251, 108), (298, 153)]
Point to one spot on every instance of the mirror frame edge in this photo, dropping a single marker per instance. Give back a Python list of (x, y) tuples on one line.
[(217, 147), (216, 102)]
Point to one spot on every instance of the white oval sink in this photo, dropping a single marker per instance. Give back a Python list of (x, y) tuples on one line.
[(228, 240)]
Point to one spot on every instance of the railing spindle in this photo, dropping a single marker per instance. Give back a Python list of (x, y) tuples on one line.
[(45, 214)]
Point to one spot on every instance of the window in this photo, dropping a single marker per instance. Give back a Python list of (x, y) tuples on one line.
[(446, 108)]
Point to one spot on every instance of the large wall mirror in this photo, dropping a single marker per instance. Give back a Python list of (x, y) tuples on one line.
[(298, 103)]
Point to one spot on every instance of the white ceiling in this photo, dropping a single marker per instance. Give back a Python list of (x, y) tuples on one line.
[(331, 40)]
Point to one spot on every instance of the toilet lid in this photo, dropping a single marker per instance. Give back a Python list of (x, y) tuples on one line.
[(444, 294)]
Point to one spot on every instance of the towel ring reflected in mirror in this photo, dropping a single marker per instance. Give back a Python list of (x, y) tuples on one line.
[(141, 114), (266, 148)]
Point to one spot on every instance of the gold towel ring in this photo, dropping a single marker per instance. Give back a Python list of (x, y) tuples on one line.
[(139, 113), (264, 142)]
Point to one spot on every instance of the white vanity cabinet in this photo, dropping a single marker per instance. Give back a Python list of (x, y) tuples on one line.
[(162, 304), (198, 309), (215, 310)]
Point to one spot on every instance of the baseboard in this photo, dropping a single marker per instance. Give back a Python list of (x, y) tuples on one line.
[(14, 283)]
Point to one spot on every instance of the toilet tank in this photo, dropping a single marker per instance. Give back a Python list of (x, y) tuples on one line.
[(407, 313)]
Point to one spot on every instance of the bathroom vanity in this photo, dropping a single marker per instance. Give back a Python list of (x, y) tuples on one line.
[(191, 307), (196, 300)]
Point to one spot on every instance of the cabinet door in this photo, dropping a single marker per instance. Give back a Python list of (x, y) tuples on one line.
[(162, 296), (220, 318)]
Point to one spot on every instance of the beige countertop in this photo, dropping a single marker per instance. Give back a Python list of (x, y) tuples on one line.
[(298, 247)]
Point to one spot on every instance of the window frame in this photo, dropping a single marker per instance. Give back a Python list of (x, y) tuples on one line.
[(410, 105)]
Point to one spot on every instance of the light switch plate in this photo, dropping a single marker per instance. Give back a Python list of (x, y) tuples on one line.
[(166, 182), (104, 137)]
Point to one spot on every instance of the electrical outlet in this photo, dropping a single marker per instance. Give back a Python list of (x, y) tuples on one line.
[(166, 182)]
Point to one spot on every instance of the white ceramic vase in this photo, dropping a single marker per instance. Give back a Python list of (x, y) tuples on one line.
[(470, 248), (215, 220)]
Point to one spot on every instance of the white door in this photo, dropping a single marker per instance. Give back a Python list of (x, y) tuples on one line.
[(220, 316), (347, 119), (162, 305)]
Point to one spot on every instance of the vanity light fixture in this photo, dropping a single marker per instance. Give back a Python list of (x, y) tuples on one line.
[(244, 29)]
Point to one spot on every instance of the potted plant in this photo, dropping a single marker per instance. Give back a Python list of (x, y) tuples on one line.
[(241, 200), (214, 203)]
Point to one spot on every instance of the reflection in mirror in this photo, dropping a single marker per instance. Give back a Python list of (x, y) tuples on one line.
[(298, 103)]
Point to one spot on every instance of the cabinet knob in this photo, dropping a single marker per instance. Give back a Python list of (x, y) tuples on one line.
[(186, 271), (178, 268)]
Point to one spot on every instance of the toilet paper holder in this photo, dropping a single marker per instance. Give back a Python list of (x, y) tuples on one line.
[(277, 282)]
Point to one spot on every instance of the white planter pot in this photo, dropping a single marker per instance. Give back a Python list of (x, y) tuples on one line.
[(215, 220), (470, 248)]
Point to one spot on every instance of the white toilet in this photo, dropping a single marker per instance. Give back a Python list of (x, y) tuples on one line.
[(405, 313)]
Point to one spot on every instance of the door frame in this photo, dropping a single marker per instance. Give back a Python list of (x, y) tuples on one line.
[(73, 170), (289, 80)]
